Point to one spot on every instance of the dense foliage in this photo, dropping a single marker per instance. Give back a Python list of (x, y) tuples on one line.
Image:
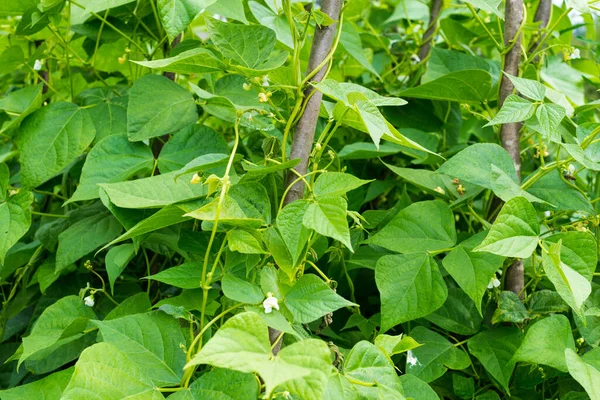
[(170, 228)]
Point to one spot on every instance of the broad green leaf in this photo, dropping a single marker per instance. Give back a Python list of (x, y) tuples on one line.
[(220, 384), (277, 23), (435, 355), (442, 62), (238, 289), (244, 242), (340, 91), (392, 345), (116, 260), (472, 270), (293, 233), (233, 9), (584, 373), (63, 352), (189, 143), (15, 218), (546, 341), (242, 344), (50, 387), (248, 46), (108, 109), (366, 363), (458, 314), (335, 184), (467, 86), (506, 188), (255, 171), (510, 309), (584, 157), (186, 276), (559, 195), (203, 163), (411, 286), (514, 109), (363, 150), (176, 15), (474, 164), (136, 304), (420, 227), (491, 6), (340, 388), (495, 350), (150, 340), (327, 217), (67, 317), (103, 372), (548, 117), (85, 236), (529, 88), (411, 10), (50, 139), (158, 106), (416, 388), (350, 41), (152, 192), (570, 284), (310, 298), (514, 232), (547, 301), (114, 159), (20, 104), (194, 61), (578, 251), (4, 179)]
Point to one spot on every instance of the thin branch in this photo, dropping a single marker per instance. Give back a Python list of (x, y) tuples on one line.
[(434, 15)]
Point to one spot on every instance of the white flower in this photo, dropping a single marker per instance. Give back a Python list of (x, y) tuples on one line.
[(575, 54), (571, 169), (37, 65), (415, 59), (89, 301), (265, 80), (494, 282), (411, 359), (270, 303)]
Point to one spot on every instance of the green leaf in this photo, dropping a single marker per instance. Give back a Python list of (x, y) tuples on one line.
[(510, 309), (238, 289), (547, 301), (189, 143), (471, 270), (50, 139), (584, 373), (85, 236), (411, 287), (475, 163), (203, 163), (107, 107), (529, 88), (363, 150), (559, 195), (416, 388), (327, 217), (515, 231), (435, 355), (546, 341), (514, 109), (103, 372), (249, 46), (549, 117), (244, 242), (271, 20), (152, 192), (366, 363), (335, 184), (491, 6), (220, 384), (195, 61), (150, 340), (442, 62), (50, 387), (571, 285), (242, 344), (136, 304), (293, 233), (176, 15), (467, 86), (116, 260), (310, 298), (420, 227), (341, 91), (506, 188), (4, 179), (458, 314), (15, 218), (158, 106), (186, 276), (578, 251), (65, 318), (340, 388), (114, 159), (20, 104), (495, 350), (350, 41)]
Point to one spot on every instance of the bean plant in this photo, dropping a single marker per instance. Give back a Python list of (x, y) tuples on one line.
[(294, 199)]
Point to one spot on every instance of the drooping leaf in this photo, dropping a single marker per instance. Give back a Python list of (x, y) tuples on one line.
[(584, 373), (578, 250), (293, 233), (350, 41), (158, 106), (514, 232), (334, 184), (116, 260), (548, 117), (529, 88), (51, 138), (195, 61), (411, 287), (423, 226), (327, 217), (186, 276), (15, 218), (514, 109)]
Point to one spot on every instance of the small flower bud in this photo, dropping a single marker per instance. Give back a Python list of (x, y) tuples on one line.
[(270, 303), (89, 301), (247, 86), (440, 190), (37, 65), (264, 97), (195, 179)]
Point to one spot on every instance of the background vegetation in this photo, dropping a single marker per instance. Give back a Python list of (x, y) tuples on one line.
[(227, 199)]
